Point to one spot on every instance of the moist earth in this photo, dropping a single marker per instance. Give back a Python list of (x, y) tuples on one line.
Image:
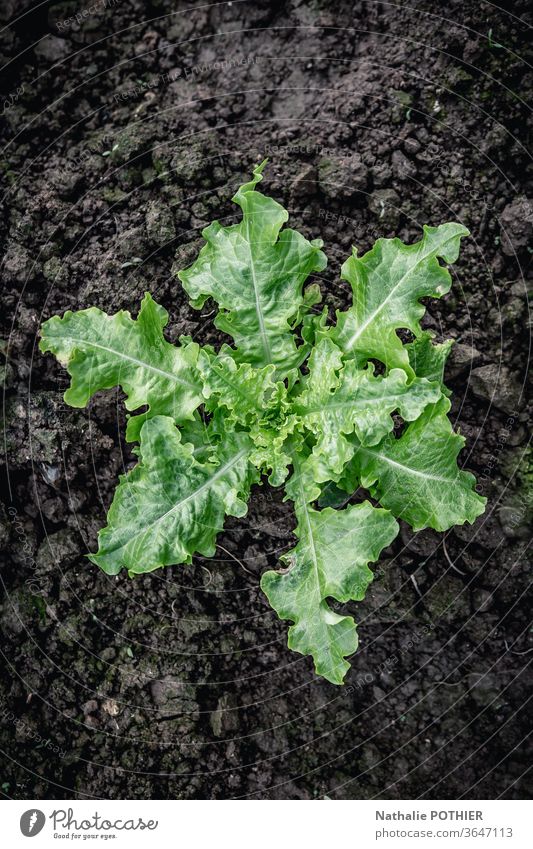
[(126, 131)]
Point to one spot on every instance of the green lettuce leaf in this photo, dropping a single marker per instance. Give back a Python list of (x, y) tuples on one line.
[(101, 352), (251, 399), (387, 284), (342, 399), (255, 271), (204, 436), (428, 359), (170, 505), (244, 391), (330, 561), (416, 477)]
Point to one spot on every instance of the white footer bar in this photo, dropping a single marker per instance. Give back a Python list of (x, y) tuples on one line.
[(268, 825)]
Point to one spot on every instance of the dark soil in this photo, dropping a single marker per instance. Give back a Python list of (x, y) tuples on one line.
[(377, 118)]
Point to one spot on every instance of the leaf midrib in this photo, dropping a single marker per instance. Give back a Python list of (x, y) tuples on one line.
[(353, 339), (235, 386), (123, 356), (408, 469), (220, 472), (262, 329), (311, 540)]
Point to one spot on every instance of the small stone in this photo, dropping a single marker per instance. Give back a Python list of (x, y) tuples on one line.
[(58, 550), (402, 166), (131, 244), (160, 224), (171, 695), (108, 654), (462, 357), (17, 264), (185, 255), (130, 143), (65, 180), (515, 521), (110, 707), (497, 385), (518, 436), (343, 177), (52, 49), (52, 268), (224, 719), (255, 559), (189, 167), (192, 625), (411, 146), (516, 222), (514, 310), (305, 182), (381, 174)]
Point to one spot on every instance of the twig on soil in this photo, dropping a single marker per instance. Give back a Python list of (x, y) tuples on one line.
[(210, 575), (449, 559), (527, 651), (225, 550), (206, 316), (415, 584)]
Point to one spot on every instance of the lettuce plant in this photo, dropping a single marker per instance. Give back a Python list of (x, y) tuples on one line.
[(307, 402)]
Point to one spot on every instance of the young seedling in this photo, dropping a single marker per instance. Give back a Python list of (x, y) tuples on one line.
[(295, 398)]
